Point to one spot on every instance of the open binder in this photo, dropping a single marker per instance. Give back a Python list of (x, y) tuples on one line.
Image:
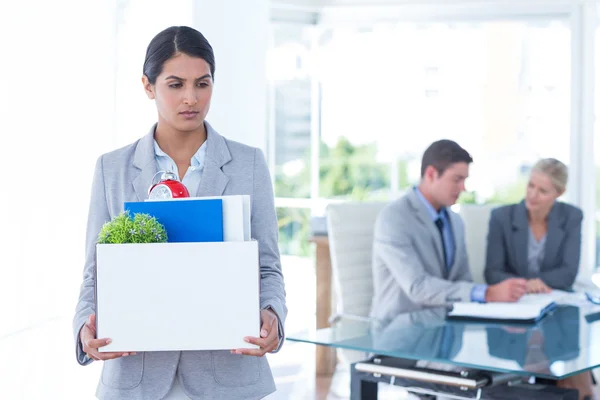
[(531, 308)]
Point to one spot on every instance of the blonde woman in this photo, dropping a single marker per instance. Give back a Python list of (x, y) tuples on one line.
[(539, 238)]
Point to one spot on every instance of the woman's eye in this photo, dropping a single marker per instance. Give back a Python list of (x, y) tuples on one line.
[(202, 84), (175, 85)]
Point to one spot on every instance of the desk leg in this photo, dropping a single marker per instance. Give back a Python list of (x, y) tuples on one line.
[(361, 389), (325, 356)]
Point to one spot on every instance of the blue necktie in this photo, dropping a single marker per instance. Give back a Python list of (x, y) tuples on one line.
[(440, 225)]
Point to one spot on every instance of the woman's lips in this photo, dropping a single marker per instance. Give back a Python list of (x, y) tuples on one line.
[(189, 114)]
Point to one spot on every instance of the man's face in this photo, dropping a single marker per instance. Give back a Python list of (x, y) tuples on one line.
[(447, 187)]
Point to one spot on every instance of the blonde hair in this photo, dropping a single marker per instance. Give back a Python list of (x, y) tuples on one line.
[(555, 170)]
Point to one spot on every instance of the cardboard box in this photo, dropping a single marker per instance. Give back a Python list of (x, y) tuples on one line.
[(177, 296)]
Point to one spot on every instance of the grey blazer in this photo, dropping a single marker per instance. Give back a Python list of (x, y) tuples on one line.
[(408, 261), (230, 168), (508, 238)]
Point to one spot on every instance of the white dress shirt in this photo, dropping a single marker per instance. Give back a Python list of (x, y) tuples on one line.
[(192, 176)]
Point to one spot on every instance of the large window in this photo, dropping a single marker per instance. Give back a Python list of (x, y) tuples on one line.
[(291, 82), (383, 93)]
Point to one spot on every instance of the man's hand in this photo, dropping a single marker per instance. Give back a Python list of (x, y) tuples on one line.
[(91, 345), (509, 290), (269, 336), (537, 286)]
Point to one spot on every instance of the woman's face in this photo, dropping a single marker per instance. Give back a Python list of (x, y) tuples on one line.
[(182, 92), (541, 193)]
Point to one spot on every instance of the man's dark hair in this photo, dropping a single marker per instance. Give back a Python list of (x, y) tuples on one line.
[(442, 154)]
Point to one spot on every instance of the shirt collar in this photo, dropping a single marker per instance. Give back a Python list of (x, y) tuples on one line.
[(433, 214), (197, 159)]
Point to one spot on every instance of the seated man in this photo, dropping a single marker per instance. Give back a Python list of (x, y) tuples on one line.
[(419, 252)]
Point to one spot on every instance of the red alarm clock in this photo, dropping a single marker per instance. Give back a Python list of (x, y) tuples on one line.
[(169, 187)]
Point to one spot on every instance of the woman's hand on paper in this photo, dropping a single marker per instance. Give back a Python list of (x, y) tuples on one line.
[(269, 336), (91, 345), (537, 286)]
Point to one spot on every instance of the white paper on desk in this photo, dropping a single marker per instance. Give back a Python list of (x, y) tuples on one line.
[(578, 299), (527, 308), (558, 296), (236, 216), (177, 296)]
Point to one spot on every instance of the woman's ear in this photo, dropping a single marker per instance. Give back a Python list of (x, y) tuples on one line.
[(148, 87)]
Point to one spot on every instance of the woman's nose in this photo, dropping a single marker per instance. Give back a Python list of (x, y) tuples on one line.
[(190, 97)]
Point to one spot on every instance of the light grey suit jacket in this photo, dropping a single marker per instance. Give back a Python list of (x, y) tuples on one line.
[(508, 238), (408, 261), (230, 168)]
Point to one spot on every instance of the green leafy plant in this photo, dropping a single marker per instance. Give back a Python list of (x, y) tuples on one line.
[(142, 228)]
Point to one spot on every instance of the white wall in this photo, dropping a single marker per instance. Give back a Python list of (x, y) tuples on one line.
[(57, 116)]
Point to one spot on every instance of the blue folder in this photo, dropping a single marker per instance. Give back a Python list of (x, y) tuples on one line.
[(185, 220)]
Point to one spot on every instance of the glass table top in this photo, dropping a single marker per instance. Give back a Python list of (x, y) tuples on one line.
[(564, 343)]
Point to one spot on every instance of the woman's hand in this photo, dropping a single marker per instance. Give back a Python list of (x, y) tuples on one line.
[(91, 344), (269, 336), (537, 286)]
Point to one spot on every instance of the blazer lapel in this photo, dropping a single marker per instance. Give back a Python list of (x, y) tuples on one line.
[(214, 181), (425, 219), (145, 162), (520, 239), (554, 237)]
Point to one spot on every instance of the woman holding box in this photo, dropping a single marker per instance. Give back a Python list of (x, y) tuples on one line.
[(178, 75)]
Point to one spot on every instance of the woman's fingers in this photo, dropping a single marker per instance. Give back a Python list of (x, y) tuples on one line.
[(98, 356), (97, 343), (112, 356)]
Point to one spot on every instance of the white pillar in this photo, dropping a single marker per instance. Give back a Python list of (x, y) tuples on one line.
[(582, 176), (238, 31)]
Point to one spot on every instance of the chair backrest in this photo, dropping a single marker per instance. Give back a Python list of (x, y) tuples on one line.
[(350, 230), (476, 218)]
